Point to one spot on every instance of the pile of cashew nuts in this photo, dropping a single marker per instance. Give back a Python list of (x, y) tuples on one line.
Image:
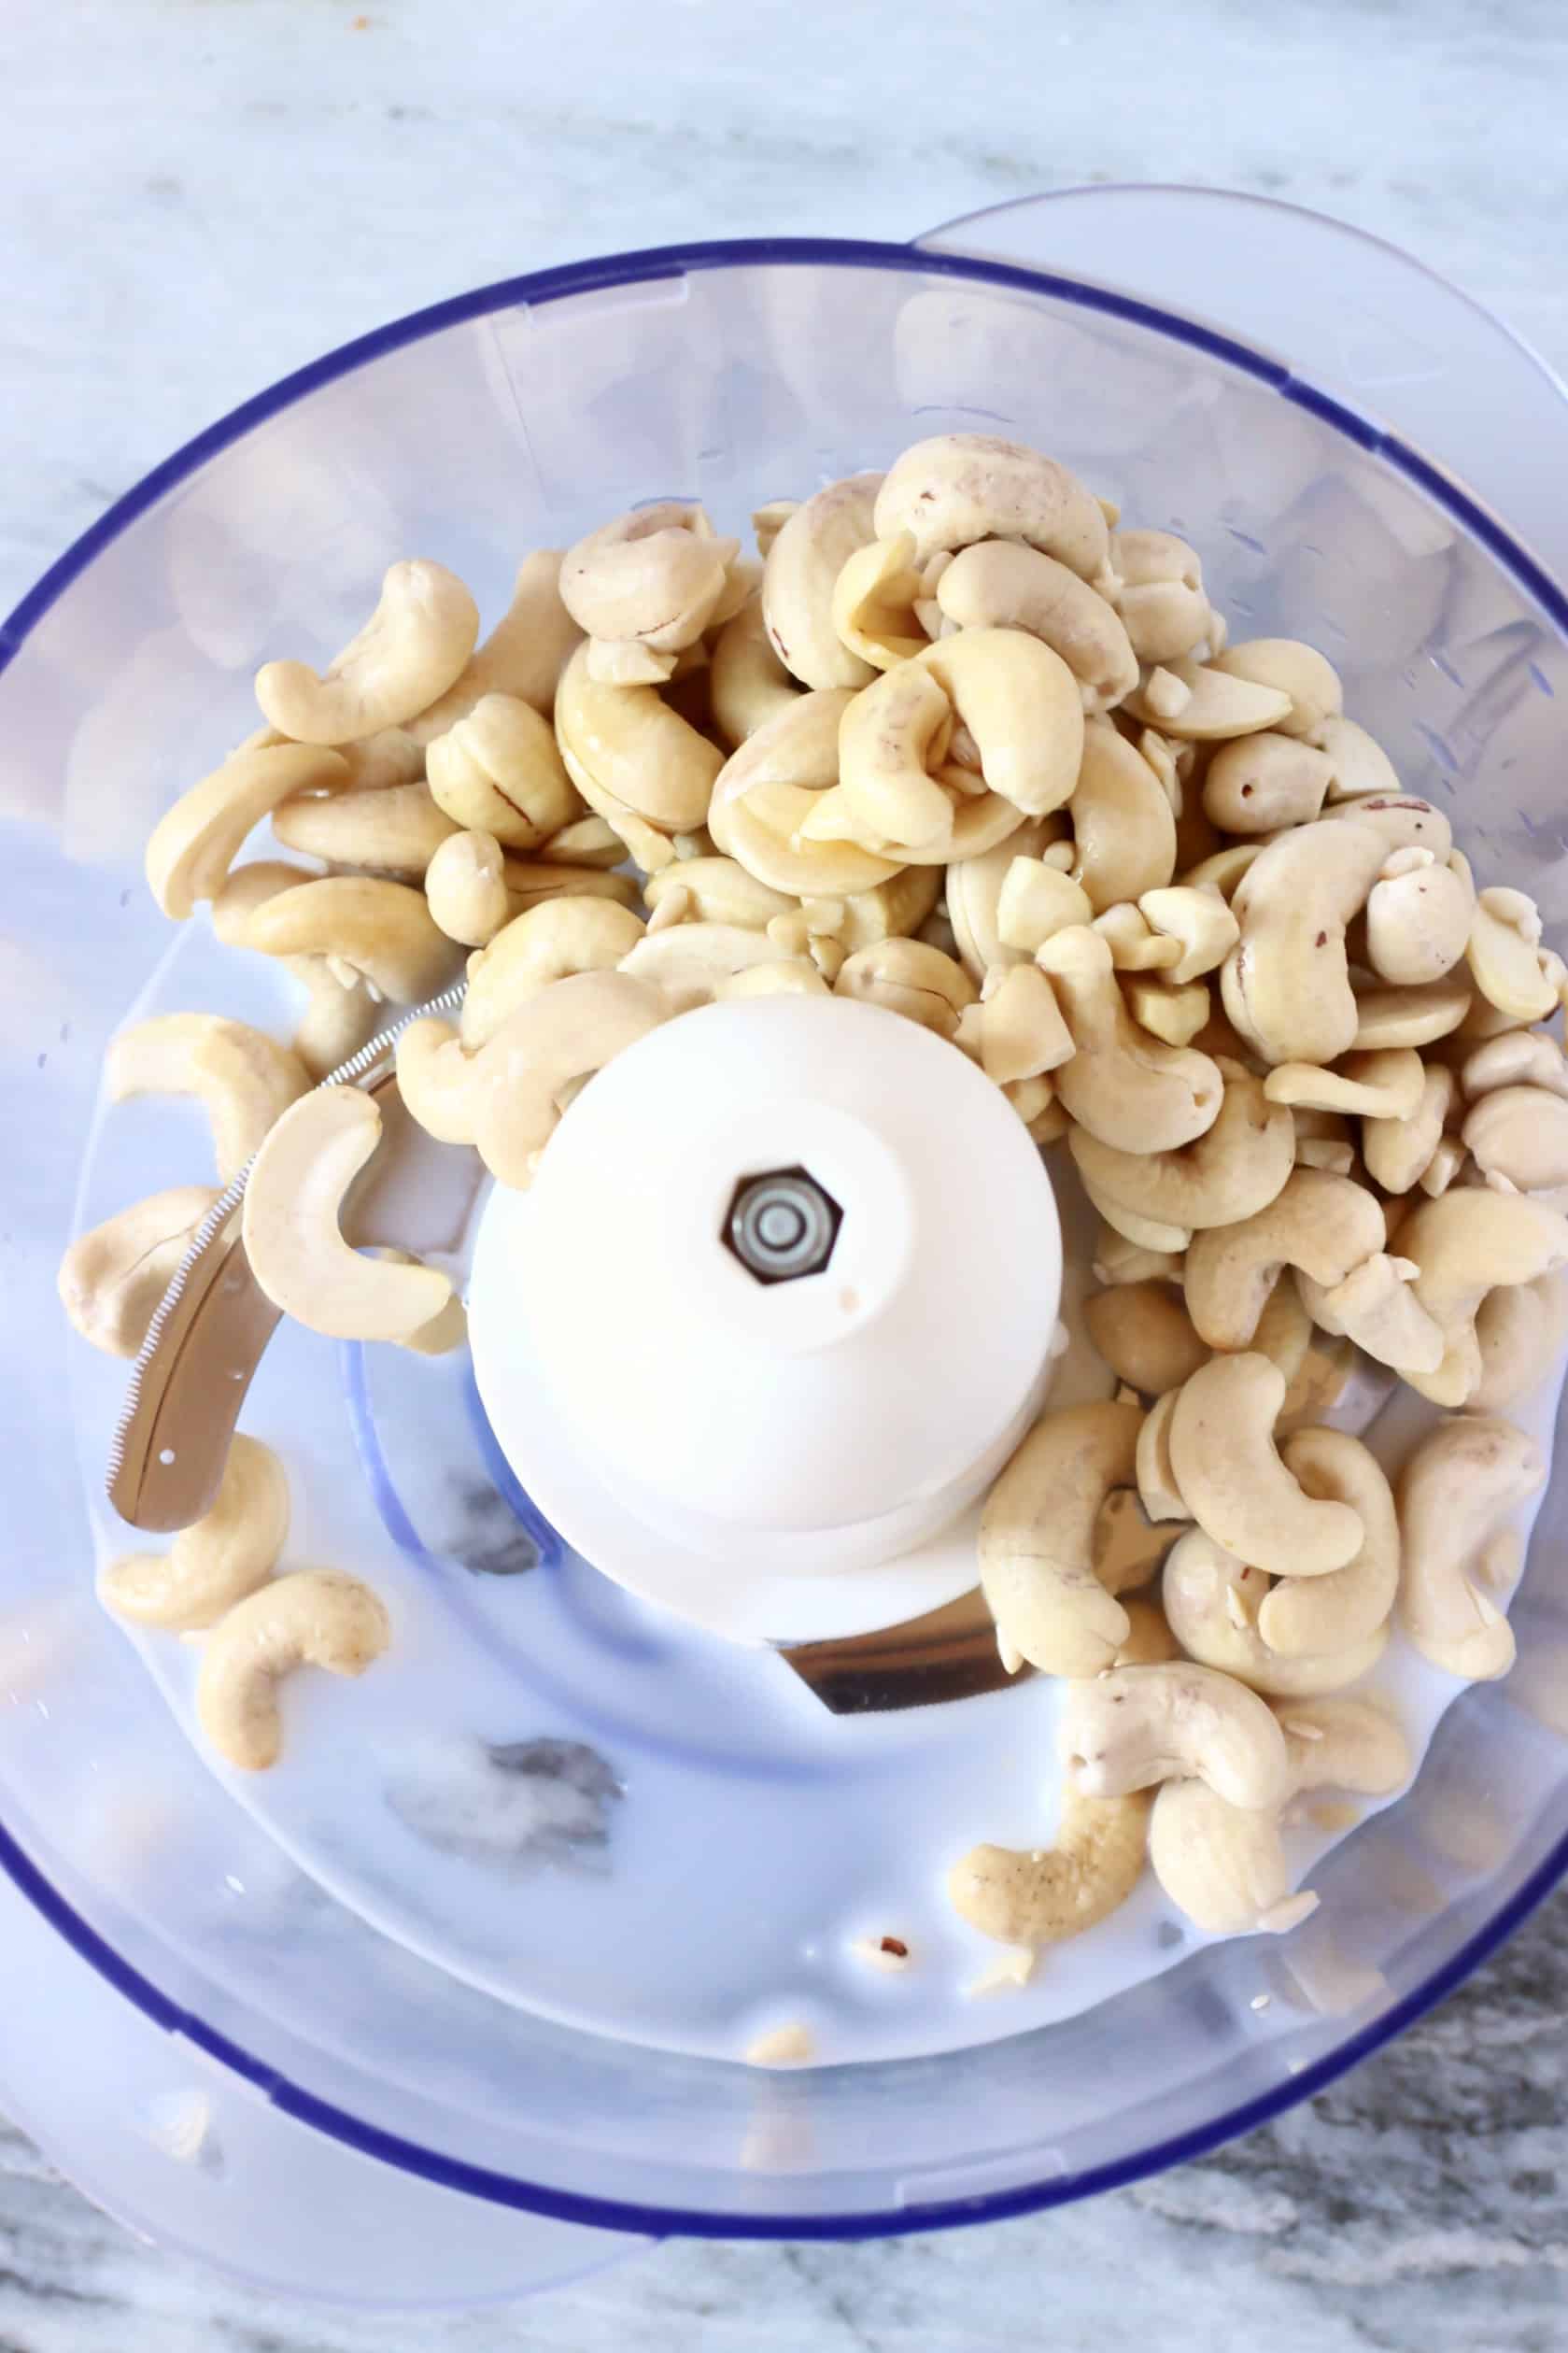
[(959, 745)]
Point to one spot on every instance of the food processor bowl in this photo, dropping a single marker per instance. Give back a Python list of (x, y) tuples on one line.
[(518, 417)]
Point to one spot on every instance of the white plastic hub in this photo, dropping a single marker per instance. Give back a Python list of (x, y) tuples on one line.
[(776, 1459)]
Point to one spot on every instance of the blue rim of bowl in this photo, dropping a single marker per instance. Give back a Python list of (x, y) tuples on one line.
[(605, 275)]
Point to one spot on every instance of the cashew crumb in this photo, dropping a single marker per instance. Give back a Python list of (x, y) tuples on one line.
[(791, 2046), (1260, 2002), (1013, 1967)]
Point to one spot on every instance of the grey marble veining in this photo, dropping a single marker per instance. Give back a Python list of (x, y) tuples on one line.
[(202, 194)]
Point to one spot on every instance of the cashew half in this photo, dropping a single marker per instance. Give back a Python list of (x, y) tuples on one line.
[(216, 1561), (1138, 1725), (1286, 983), (1004, 584), (874, 601), (1211, 1603), (499, 770), (1324, 1224), (1200, 704), (1418, 920), (414, 646), (1361, 765), (974, 899), (1454, 1493), (113, 1277), (1233, 1482), (524, 655), (1044, 1897), (1124, 831), (1397, 1150), (1306, 1616), (1412, 1016), (546, 943), (1261, 782), (313, 1618), (1142, 1331), (395, 830), (1235, 1169), (1465, 1243), (766, 793), (384, 931), (1384, 1084), (1504, 954), (245, 1079), (747, 682), (1037, 1541), (1520, 1057), (292, 1239), (197, 841), (956, 489), (1126, 1087), (1520, 1134), (1283, 665), (1161, 599)]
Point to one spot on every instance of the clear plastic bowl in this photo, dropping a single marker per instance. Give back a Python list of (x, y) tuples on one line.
[(513, 418)]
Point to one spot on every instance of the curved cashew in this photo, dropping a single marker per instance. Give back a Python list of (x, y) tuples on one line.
[(216, 1561), (1283, 665), (297, 1253), (653, 578), (1361, 765), (974, 896), (1123, 830), (717, 890), (891, 736), (766, 793), (1504, 954), (413, 648), (1211, 1602), (383, 931), (523, 656), (1161, 599), (874, 601), (1397, 1150), (1386, 1085), (1418, 920), (395, 830), (313, 1618), (1150, 1643), (1454, 1491), (113, 1277), (1465, 1243), (245, 1079), (1323, 1224), (979, 820), (634, 761), (1307, 1616), (1003, 584), (1042, 1898), (1125, 1087), (1232, 1171), (1286, 983), (1137, 1725), (1263, 782), (1415, 1016), (1284, 1336), (1222, 870), (1200, 703), (1376, 1307), (498, 770), (689, 962), (548, 943), (798, 575), (1021, 706), (747, 682), (1518, 1330), (1520, 1134), (339, 1017), (1176, 1015), (956, 489), (1144, 1233), (543, 1048), (1444, 1166), (1406, 822), (1520, 1057), (1235, 1485), (465, 888), (195, 842), (1022, 1033), (910, 978), (1142, 1331), (1037, 1536)]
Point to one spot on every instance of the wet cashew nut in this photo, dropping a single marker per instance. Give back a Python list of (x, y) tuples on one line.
[(414, 646), (1325, 1225), (1138, 1725), (1235, 1485), (465, 888), (197, 841), (747, 682), (216, 1561), (245, 1079), (1299, 672), (653, 578), (113, 1277), (292, 1235), (1125, 1087), (1211, 1602), (1453, 1491), (498, 770), (1263, 782), (545, 943), (1504, 954), (382, 930), (635, 761), (1124, 831), (1037, 1541), (395, 830), (1286, 984), (767, 791), (311, 1618), (1044, 1897), (910, 978)]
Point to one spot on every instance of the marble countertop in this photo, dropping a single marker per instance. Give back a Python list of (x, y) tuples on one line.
[(167, 174)]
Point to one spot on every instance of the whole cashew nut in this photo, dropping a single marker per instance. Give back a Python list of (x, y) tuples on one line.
[(339, 1016), (1397, 1150), (747, 682), (1138, 1725), (634, 759), (1231, 1172), (498, 770), (543, 1049), (113, 1277), (1520, 1134), (653, 576), (1142, 1331), (1453, 1491), (1126, 1087), (312, 1618), (292, 1235), (765, 795), (414, 646), (1465, 1243), (523, 656), (245, 1079), (395, 830), (1043, 1897), (910, 978), (1323, 1224), (1261, 782), (1518, 1330), (1123, 830), (1004, 584), (1037, 1541), (1306, 1616), (1199, 703), (1233, 1482), (1404, 821), (800, 572), (1286, 983), (546, 943), (197, 841), (383, 931), (216, 1561), (1211, 1602)]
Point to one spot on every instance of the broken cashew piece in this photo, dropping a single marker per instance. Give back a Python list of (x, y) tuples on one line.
[(311, 1618), (113, 1277), (1043, 1897), (1198, 703), (1161, 598), (873, 603), (1418, 917), (291, 1234), (1468, 1242), (216, 1561), (1125, 1087), (765, 794), (414, 646), (1454, 1491), (1037, 1541), (1283, 665), (717, 890), (1234, 1485), (1376, 1307), (244, 1079), (1397, 1151), (1384, 1084), (1138, 1725)]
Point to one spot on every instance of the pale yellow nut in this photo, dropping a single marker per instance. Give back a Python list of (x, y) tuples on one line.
[(543, 1051), (1448, 1157), (112, 1279), (1518, 1330), (1032, 1897), (768, 520), (973, 896), (1175, 1014), (1376, 1307), (1037, 1540), (395, 830), (1361, 765), (1035, 900), (631, 755), (523, 656), (1398, 1149), (765, 796), (1407, 821), (888, 911), (1286, 984), (340, 1012), (1221, 1866), (910, 978), (1118, 1260), (312, 1618), (1453, 1491), (747, 682), (1222, 870), (981, 821), (956, 489), (799, 572), (1323, 1224), (1161, 598), (1516, 1058), (873, 603), (1199, 919), (215, 1562), (1142, 1331), (1299, 672), (293, 1237), (787, 976), (688, 963), (653, 575), (498, 770), (1003, 584), (1135, 945), (1212, 1601), (244, 1079), (465, 888), (1201, 703), (546, 943), (892, 735), (586, 842), (1521, 1134), (1139, 1726), (1234, 1482), (1418, 919), (1235, 1169), (1466, 1243), (1124, 831), (390, 757), (1412, 1016), (381, 929), (717, 890), (1126, 1087), (1022, 1033), (412, 649), (196, 842), (1261, 782), (1385, 1084), (1504, 958)]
